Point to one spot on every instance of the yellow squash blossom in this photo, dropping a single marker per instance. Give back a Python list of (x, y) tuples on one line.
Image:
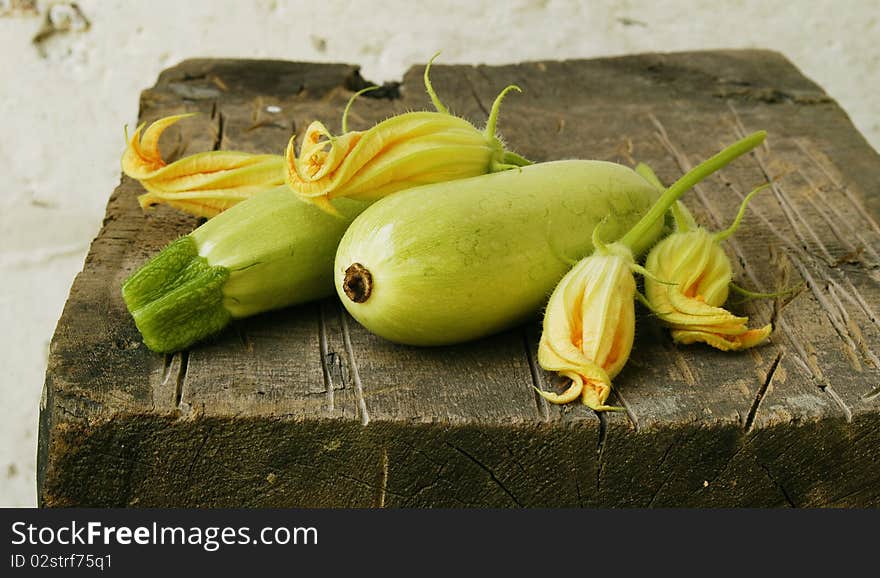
[(589, 323), (406, 150), (202, 184), (589, 326), (689, 280)]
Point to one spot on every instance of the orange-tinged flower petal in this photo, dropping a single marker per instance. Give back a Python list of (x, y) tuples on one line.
[(406, 150), (724, 342), (689, 280), (403, 151), (202, 184), (589, 327)]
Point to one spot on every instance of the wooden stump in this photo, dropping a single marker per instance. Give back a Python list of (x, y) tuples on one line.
[(303, 407)]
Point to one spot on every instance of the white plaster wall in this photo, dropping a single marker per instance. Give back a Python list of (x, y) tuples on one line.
[(63, 103)]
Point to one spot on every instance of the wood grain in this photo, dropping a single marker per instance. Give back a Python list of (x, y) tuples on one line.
[(303, 407)]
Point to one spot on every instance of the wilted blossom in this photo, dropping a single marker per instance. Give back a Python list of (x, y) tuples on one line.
[(689, 281), (202, 184)]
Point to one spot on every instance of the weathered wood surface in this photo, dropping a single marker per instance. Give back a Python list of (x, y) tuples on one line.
[(303, 407)]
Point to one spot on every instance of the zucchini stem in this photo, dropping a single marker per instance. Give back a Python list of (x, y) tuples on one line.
[(691, 178), (177, 297)]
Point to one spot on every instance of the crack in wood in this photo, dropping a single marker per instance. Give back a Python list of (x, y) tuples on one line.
[(427, 457), (197, 455), (796, 250), (784, 270), (833, 316), (181, 377), (515, 460), (438, 475), (853, 328), (839, 321), (489, 471), (762, 391), (856, 298), (873, 394), (777, 484), (847, 412), (855, 202), (660, 488), (843, 237), (742, 446), (826, 214), (600, 449), (383, 480), (577, 489), (167, 361), (367, 485), (71, 413), (221, 127), (325, 352), (629, 412), (537, 383), (795, 219), (677, 441), (682, 365), (353, 368)]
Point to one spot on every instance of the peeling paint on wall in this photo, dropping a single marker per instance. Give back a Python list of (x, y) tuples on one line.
[(61, 21), (18, 8)]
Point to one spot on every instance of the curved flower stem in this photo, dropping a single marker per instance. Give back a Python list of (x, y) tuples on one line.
[(430, 88), (496, 107), (351, 102), (721, 235), (691, 178)]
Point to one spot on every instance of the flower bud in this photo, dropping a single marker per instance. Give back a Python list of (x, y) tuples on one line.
[(203, 184), (589, 326), (690, 275)]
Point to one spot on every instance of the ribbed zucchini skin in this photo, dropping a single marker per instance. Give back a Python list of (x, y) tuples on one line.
[(270, 251), (455, 261)]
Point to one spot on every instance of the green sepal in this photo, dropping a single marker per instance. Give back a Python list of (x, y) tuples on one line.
[(176, 298)]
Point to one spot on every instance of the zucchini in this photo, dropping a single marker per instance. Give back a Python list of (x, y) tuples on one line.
[(450, 262), (270, 251)]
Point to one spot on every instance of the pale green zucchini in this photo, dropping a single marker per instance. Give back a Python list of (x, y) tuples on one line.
[(450, 262), (270, 251)]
